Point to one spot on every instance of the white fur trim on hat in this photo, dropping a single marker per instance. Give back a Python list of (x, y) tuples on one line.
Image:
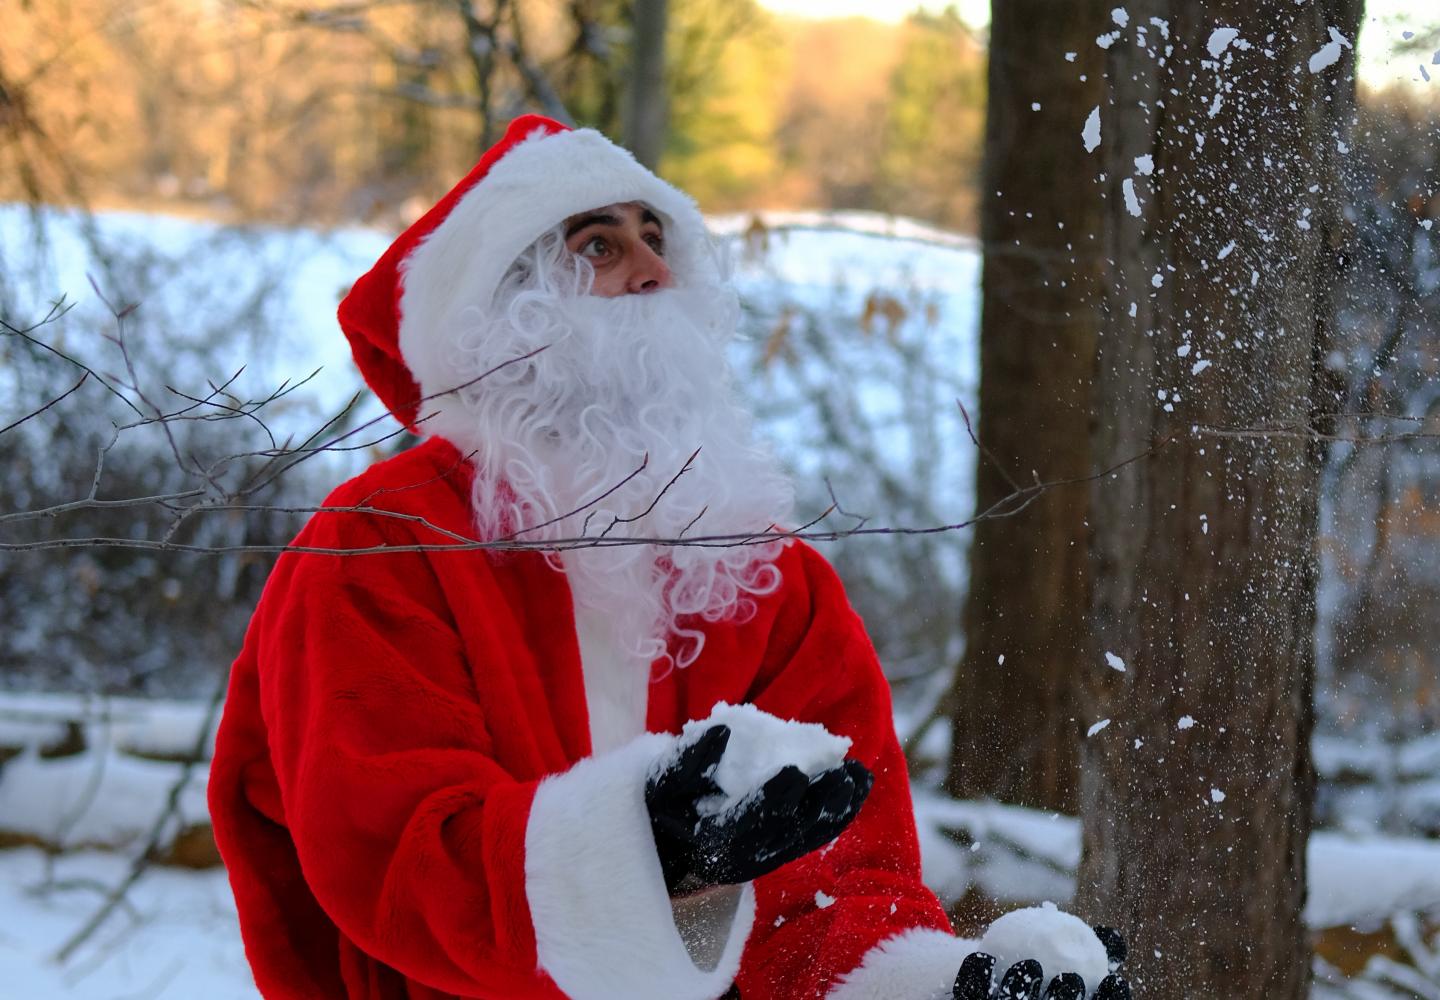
[(604, 925), (919, 964), (537, 184)]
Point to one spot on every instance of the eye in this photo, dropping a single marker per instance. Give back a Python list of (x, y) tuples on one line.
[(656, 242), (595, 246)]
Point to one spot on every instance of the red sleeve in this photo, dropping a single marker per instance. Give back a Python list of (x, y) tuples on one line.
[(410, 836), (819, 917)]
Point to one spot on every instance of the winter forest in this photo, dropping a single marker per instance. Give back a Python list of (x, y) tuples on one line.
[(1100, 339)]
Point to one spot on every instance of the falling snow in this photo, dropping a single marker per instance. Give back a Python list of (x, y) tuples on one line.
[(1330, 52), (1132, 201), (1220, 40), (1090, 134)]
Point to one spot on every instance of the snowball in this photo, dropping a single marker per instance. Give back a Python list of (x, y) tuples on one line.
[(1220, 40), (1145, 164), (1216, 795), (1120, 16), (1185, 722), (760, 745), (1097, 727), (1115, 662), (1226, 250), (1059, 941), (822, 901), (1091, 133), (1199, 366)]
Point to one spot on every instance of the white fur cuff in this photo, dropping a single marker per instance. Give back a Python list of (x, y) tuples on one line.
[(604, 926), (918, 964)]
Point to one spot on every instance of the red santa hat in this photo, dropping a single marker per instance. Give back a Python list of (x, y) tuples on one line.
[(455, 255)]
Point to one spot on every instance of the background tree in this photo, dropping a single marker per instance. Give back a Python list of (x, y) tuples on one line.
[(1218, 146), (929, 159), (1013, 717), (646, 105)]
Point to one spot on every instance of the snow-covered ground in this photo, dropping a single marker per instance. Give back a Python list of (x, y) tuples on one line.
[(177, 940), (178, 937)]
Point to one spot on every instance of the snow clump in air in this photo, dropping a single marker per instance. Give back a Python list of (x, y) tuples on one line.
[(1097, 727), (1220, 40), (1114, 662), (1329, 53), (760, 745), (1059, 941), (1091, 133), (1132, 200)]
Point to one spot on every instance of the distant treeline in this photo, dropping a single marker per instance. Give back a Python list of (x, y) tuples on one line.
[(317, 110)]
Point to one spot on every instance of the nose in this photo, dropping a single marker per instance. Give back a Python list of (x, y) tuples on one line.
[(648, 273)]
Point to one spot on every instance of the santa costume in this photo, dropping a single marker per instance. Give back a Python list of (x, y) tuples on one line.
[(429, 779)]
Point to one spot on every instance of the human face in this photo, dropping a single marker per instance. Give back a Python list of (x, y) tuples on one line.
[(625, 244)]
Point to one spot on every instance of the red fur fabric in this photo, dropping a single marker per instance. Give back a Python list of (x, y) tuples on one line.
[(392, 714)]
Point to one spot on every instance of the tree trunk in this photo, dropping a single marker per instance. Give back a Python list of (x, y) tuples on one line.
[(1014, 721), (1197, 795), (646, 104)]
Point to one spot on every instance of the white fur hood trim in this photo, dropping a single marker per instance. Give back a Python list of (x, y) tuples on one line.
[(604, 926)]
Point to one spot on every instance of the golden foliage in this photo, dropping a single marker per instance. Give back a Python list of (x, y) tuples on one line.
[(329, 110)]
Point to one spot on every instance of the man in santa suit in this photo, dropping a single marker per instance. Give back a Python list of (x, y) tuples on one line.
[(447, 770)]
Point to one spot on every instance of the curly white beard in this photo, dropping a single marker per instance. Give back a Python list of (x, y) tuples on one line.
[(588, 439)]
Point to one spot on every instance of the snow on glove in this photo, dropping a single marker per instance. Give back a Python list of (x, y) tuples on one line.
[(789, 816), (1024, 979)]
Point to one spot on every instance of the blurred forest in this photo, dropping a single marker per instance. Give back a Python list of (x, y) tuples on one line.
[(290, 111)]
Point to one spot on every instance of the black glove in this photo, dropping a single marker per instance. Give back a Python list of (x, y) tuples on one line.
[(789, 817), (1022, 981)]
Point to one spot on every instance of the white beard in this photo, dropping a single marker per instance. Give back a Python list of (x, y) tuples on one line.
[(588, 438)]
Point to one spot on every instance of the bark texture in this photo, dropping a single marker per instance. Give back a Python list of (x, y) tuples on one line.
[(1197, 796), (1015, 723)]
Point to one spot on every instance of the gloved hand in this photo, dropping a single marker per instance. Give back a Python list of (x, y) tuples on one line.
[(1022, 981), (791, 815)]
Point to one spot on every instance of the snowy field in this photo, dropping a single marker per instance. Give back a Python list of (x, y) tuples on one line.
[(177, 937)]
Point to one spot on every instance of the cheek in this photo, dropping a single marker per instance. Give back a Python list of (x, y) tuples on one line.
[(608, 284)]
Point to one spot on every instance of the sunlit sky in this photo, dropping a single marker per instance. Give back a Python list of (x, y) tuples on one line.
[(1385, 24)]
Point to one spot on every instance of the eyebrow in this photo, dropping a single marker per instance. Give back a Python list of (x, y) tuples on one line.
[(591, 219), (608, 219)]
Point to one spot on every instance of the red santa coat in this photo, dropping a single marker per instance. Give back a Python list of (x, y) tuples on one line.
[(406, 796)]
